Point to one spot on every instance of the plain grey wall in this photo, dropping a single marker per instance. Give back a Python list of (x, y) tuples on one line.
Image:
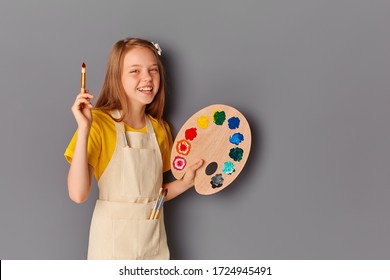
[(312, 78)]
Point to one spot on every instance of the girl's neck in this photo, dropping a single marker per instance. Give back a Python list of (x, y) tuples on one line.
[(136, 118)]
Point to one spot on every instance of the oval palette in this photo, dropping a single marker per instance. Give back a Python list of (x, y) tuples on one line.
[(221, 136)]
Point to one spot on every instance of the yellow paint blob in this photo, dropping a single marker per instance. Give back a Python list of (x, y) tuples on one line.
[(203, 122)]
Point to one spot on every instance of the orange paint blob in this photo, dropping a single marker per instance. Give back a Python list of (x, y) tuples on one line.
[(183, 147)]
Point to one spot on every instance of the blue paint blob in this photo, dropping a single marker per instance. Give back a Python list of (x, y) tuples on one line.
[(234, 122), (228, 168), (236, 138)]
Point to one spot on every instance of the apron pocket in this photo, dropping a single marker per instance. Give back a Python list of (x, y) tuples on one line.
[(136, 239), (148, 238)]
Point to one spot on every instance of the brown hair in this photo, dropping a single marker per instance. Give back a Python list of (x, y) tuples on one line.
[(113, 96)]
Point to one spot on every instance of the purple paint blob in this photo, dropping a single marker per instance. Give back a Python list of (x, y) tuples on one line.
[(234, 122), (179, 163), (236, 138)]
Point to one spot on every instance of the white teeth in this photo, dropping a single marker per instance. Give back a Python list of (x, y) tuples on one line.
[(145, 88)]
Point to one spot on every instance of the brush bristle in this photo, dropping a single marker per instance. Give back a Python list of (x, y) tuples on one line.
[(83, 65)]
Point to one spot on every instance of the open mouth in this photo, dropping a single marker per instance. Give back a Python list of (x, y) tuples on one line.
[(146, 90)]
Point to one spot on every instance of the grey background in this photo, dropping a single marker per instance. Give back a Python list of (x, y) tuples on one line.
[(312, 78)]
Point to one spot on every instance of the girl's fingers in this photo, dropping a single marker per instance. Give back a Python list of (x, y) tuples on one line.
[(82, 101), (85, 95), (196, 166)]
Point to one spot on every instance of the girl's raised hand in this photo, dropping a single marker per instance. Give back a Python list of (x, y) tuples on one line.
[(81, 109)]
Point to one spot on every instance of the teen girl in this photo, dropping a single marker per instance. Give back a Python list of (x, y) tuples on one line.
[(126, 144)]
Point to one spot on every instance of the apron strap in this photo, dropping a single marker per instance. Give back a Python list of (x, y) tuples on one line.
[(149, 126), (121, 127)]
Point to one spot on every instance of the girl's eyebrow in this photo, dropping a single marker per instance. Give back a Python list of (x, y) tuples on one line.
[(137, 65)]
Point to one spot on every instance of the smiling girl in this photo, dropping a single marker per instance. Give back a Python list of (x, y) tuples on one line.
[(124, 141)]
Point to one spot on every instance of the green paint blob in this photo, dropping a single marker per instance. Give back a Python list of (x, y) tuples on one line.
[(236, 154), (219, 117)]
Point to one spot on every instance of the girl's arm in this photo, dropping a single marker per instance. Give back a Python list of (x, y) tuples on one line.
[(177, 187), (80, 172)]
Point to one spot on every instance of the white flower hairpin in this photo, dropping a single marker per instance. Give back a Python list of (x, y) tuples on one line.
[(157, 46)]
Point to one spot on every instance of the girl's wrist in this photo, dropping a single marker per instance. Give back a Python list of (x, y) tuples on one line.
[(83, 130), (187, 184)]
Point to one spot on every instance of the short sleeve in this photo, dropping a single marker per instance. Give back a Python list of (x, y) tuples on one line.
[(93, 149)]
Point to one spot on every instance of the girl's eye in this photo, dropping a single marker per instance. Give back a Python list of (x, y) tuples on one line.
[(154, 70), (134, 71)]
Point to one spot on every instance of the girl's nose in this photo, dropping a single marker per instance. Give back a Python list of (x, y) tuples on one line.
[(147, 77)]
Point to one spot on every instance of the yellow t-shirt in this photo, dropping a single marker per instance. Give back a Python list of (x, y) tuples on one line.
[(102, 142)]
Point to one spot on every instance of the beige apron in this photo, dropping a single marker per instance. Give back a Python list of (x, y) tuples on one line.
[(120, 227)]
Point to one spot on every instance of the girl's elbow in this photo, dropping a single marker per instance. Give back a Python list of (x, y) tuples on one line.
[(78, 193), (78, 198)]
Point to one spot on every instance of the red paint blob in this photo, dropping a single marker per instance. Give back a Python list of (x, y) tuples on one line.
[(191, 133)]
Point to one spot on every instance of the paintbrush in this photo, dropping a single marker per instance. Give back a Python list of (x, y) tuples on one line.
[(83, 76), (156, 203), (159, 207)]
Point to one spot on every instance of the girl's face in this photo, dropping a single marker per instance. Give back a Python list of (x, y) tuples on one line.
[(140, 76)]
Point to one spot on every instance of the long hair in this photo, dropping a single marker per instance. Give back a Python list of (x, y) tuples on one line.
[(113, 96)]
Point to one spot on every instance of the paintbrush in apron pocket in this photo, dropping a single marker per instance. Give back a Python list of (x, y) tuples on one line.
[(155, 214)]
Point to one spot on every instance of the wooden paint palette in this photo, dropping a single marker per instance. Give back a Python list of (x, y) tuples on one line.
[(221, 136)]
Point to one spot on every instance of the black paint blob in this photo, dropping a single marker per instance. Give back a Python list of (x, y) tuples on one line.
[(211, 168)]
